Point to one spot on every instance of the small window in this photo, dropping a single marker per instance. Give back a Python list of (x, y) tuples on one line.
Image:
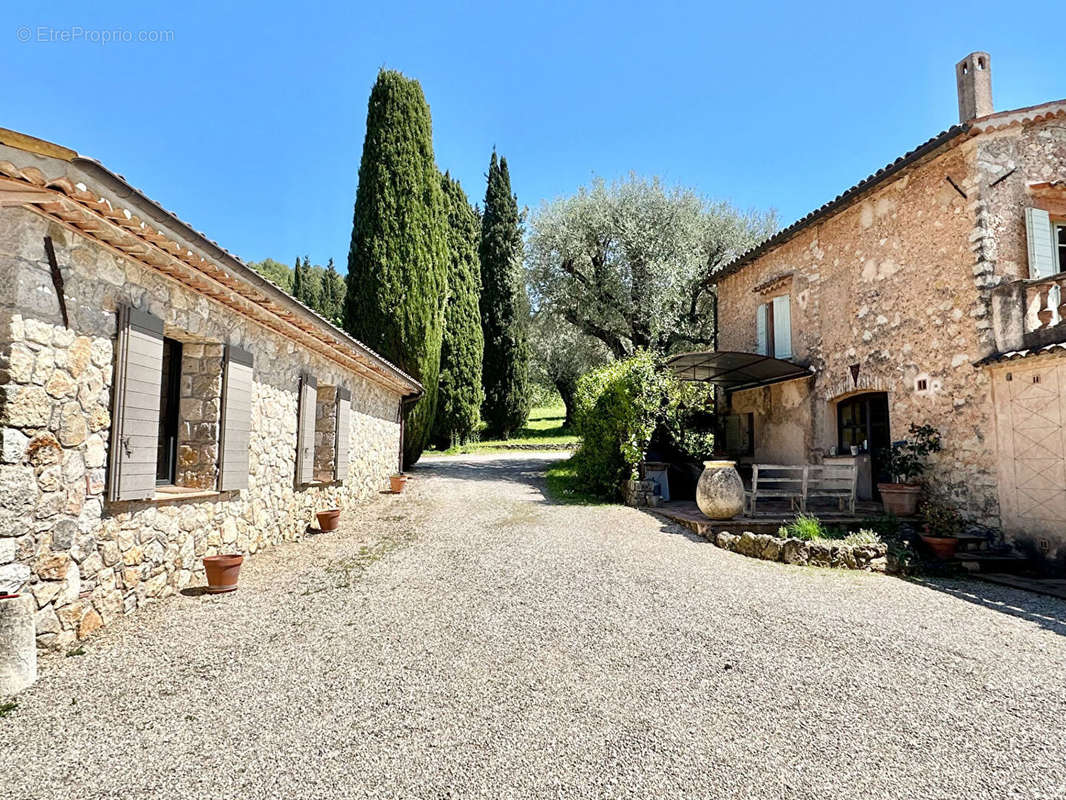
[(169, 404)]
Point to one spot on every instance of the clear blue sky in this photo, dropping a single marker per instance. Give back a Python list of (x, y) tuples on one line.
[(249, 123)]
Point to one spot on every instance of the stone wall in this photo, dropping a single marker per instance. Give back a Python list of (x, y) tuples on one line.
[(325, 433), (885, 288), (198, 415), (87, 561)]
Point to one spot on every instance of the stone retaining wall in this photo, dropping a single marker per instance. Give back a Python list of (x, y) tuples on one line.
[(84, 560), (804, 553)]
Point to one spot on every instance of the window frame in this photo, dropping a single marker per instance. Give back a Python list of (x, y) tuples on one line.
[(765, 311), (1058, 244), (169, 412)]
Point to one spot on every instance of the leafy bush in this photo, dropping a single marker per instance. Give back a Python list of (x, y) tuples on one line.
[(941, 518), (906, 459), (863, 536), (617, 409), (806, 527)]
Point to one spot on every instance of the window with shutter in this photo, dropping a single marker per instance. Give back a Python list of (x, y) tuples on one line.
[(305, 433), (236, 422), (344, 414), (762, 341), (135, 417), (782, 327), (1039, 235)]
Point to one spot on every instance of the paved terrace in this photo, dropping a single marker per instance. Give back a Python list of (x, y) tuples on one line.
[(471, 638)]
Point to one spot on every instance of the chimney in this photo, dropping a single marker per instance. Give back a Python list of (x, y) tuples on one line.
[(973, 75)]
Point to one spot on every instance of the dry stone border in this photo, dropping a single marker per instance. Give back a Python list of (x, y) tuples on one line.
[(869, 557)]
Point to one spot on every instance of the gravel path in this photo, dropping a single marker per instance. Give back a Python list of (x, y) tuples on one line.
[(469, 638)]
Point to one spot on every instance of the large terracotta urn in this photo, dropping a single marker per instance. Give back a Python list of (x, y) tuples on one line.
[(720, 491)]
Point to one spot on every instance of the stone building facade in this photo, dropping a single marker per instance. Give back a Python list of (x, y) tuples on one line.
[(227, 478), (914, 298)]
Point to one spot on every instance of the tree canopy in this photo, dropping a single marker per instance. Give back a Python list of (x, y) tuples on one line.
[(398, 260), (463, 345), (560, 353), (504, 307), (631, 262)]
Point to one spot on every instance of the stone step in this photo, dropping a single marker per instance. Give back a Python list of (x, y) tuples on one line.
[(980, 561)]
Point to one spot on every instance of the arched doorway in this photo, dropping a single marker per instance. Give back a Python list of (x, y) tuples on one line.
[(862, 422)]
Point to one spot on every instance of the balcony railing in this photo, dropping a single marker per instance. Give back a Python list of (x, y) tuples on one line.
[(1031, 313)]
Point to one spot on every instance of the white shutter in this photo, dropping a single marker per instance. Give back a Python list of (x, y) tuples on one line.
[(236, 423), (344, 417), (782, 327), (761, 346), (135, 416), (1041, 243), (305, 431)]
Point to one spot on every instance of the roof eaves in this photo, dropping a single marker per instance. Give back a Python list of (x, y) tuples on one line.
[(123, 189), (845, 198)]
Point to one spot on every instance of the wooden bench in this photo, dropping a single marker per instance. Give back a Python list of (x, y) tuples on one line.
[(776, 481), (800, 483)]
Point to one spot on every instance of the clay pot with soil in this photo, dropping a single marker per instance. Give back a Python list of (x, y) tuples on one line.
[(329, 519), (397, 482), (222, 572)]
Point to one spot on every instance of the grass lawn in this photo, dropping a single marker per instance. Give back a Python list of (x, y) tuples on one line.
[(543, 431), (562, 486)]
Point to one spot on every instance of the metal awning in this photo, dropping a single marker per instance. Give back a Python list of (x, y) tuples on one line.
[(734, 371)]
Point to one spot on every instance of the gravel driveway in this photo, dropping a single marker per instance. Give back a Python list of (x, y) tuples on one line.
[(469, 638)]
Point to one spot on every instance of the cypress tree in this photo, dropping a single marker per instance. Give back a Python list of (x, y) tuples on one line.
[(333, 291), (504, 307), (399, 253), (297, 281), (460, 393)]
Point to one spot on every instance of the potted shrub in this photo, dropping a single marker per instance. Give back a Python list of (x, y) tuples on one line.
[(906, 463), (222, 572), (942, 525), (397, 482)]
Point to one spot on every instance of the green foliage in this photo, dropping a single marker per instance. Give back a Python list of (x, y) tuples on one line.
[(565, 485), (307, 285), (504, 307), (559, 355), (806, 527), (275, 272), (940, 517), (906, 460), (631, 262), (617, 408), (462, 348), (397, 264), (332, 294), (863, 536)]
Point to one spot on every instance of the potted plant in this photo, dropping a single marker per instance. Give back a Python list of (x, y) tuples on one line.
[(906, 463), (941, 527), (329, 519), (397, 482), (222, 572)]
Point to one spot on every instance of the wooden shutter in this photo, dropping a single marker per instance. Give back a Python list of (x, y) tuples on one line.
[(782, 327), (344, 416), (236, 422), (761, 346), (305, 432), (135, 416), (1038, 231)]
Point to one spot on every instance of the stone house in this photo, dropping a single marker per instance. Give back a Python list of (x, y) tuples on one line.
[(160, 400), (930, 292)]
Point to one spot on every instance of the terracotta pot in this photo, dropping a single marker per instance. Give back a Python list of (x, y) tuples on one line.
[(720, 491), (222, 572), (900, 499), (329, 519), (397, 482), (943, 547)]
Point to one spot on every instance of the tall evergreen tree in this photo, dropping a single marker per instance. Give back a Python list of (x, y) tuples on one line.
[(298, 280), (397, 264), (333, 291), (460, 393), (504, 307)]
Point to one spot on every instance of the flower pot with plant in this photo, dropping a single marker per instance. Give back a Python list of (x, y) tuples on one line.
[(397, 482), (906, 462), (941, 527)]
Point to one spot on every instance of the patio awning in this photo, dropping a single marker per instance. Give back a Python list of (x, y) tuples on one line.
[(734, 371)]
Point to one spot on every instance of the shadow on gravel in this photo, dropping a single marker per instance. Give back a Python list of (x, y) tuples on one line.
[(1047, 612)]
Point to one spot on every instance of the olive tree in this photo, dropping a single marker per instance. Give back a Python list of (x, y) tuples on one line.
[(631, 263), (560, 354)]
